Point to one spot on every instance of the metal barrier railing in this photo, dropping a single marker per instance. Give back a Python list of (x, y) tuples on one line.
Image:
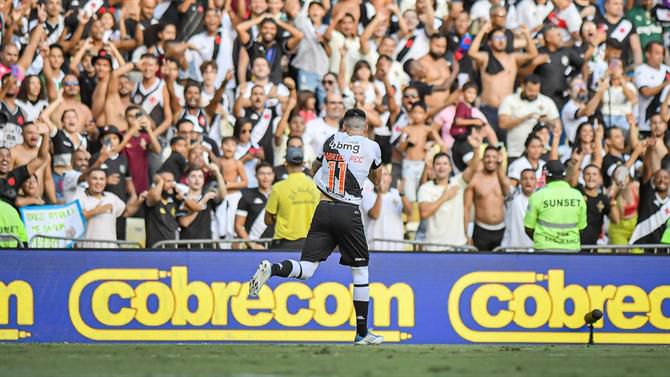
[(644, 248), (235, 243), (383, 244), (10, 241), (41, 241)]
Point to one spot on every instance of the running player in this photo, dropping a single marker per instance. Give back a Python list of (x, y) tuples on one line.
[(346, 159)]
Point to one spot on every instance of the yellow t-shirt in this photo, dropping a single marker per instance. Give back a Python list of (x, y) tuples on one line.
[(293, 201)]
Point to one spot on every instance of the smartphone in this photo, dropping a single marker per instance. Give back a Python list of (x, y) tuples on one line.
[(181, 188), (205, 156)]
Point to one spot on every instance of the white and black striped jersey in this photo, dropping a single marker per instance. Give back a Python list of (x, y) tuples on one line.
[(346, 161)]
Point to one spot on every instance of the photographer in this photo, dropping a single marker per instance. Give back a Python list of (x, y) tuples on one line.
[(137, 142), (619, 97)]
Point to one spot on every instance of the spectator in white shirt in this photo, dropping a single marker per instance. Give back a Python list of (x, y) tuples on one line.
[(520, 111), (515, 211), (383, 207), (101, 209), (320, 129), (441, 200)]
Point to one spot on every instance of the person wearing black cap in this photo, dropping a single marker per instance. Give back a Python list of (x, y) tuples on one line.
[(347, 158), (556, 213)]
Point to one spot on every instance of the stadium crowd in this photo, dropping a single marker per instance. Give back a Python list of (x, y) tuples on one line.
[(184, 114)]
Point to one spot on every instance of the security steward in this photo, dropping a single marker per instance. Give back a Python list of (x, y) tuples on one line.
[(292, 203), (556, 213)]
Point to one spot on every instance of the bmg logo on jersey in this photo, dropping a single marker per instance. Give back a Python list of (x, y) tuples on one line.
[(530, 307), (155, 305), (354, 147)]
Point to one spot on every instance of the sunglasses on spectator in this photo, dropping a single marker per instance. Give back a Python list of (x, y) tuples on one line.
[(335, 103), (410, 96), (329, 82), (499, 38), (70, 83), (134, 115)]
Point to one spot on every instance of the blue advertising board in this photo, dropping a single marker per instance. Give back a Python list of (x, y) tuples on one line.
[(421, 298)]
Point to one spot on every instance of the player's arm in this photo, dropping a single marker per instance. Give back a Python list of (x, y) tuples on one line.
[(375, 174)]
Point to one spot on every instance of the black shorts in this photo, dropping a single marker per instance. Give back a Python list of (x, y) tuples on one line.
[(487, 240), (337, 224)]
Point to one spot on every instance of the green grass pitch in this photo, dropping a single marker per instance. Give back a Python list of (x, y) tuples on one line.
[(120, 360)]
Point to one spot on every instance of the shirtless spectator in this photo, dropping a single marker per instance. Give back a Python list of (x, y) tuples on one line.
[(71, 100), (24, 153), (438, 68), (498, 70), (235, 177), (487, 191), (117, 97), (414, 144)]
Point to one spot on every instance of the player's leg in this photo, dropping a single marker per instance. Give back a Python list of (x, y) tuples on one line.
[(318, 246), (354, 253)]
